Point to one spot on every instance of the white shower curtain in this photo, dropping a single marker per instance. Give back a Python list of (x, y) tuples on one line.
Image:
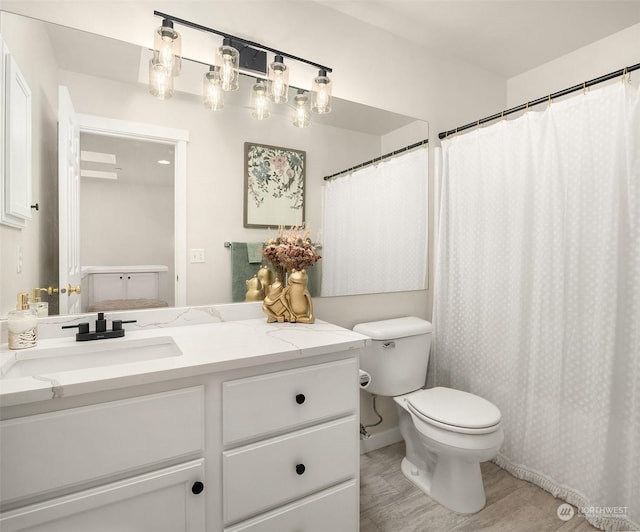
[(375, 223), (537, 293)]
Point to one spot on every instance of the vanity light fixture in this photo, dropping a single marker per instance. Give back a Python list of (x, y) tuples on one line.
[(160, 79), (228, 61), (260, 101), (212, 92), (234, 57), (164, 161), (301, 115), (278, 80), (321, 93), (167, 43)]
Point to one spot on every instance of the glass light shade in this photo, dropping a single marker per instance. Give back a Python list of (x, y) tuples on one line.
[(260, 102), (228, 60), (212, 93), (321, 93), (168, 45), (160, 81), (301, 115), (278, 81)]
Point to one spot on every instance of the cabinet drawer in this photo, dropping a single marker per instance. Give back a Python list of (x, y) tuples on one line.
[(261, 476), (67, 448), (335, 509), (161, 501), (257, 406)]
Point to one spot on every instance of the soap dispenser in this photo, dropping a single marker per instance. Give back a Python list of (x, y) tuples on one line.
[(22, 324), (41, 307)]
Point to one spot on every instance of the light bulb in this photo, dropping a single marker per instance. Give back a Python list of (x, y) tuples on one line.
[(212, 93), (228, 59), (321, 93), (168, 45), (278, 81), (300, 116), (160, 80), (260, 102)]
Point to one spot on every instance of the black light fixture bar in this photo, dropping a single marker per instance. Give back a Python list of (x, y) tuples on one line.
[(200, 27), (522, 107)]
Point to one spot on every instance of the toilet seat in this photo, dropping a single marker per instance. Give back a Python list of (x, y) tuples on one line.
[(454, 410)]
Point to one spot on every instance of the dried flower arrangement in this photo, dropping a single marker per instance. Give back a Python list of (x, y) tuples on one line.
[(291, 250)]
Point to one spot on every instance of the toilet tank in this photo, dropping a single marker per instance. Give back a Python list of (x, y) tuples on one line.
[(397, 356)]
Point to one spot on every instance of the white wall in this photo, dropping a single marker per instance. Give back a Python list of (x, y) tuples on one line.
[(29, 45), (589, 62), (127, 224)]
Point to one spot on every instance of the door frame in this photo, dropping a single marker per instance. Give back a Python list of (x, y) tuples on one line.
[(100, 125)]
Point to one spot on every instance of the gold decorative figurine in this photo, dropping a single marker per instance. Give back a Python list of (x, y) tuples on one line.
[(291, 251), (275, 305), (299, 298), (255, 290)]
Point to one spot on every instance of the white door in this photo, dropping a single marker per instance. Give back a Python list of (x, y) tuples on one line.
[(68, 204)]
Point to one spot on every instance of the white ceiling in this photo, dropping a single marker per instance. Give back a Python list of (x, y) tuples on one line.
[(505, 37)]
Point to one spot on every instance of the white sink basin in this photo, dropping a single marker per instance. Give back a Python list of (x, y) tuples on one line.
[(92, 354)]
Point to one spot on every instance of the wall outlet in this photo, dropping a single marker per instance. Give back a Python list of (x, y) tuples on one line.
[(197, 255)]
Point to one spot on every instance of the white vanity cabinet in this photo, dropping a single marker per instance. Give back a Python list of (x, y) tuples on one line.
[(291, 450), (133, 464), (265, 443), (123, 285)]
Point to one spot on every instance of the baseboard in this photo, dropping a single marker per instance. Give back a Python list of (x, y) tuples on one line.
[(380, 439)]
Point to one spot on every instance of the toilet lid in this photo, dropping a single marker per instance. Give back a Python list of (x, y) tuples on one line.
[(455, 408)]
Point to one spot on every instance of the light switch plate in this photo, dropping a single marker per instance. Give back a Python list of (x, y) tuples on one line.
[(197, 255)]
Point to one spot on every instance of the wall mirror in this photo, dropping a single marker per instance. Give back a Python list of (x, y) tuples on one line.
[(137, 218)]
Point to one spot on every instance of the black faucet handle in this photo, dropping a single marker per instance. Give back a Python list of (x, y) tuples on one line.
[(117, 324), (83, 328)]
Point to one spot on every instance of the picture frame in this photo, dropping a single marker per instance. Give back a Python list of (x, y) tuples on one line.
[(274, 185)]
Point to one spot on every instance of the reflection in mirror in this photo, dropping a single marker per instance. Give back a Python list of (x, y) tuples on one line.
[(108, 78), (131, 181)]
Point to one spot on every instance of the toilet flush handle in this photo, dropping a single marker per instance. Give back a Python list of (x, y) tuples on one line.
[(389, 345)]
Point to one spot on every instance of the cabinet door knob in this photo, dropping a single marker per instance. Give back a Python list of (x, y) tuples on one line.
[(197, 488), (300, 398), (300, 469)]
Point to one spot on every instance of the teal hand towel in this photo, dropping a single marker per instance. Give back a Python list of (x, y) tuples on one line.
[(254, 252)]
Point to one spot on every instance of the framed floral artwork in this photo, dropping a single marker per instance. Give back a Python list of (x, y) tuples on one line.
[(274, 186)]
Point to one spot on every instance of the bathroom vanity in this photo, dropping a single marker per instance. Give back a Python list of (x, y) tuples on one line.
[(234, 426)]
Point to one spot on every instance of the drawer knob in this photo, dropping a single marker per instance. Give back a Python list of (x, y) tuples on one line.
[(197, 488), (300, 398), (300, 469)]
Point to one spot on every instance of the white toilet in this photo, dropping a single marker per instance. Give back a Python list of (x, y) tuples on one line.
[(447, 432)]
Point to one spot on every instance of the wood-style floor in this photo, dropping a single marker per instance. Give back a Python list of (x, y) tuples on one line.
[(390, 503)]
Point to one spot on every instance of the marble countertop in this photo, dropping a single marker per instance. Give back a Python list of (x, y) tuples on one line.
[(205, 348)]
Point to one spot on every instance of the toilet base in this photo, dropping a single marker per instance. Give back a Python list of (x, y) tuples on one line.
[(416, 476), (456, 485)]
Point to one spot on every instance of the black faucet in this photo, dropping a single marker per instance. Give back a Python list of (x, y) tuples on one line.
[(101, 332)]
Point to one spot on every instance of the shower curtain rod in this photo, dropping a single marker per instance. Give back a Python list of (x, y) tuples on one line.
[(575, 88), (377, 159)]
